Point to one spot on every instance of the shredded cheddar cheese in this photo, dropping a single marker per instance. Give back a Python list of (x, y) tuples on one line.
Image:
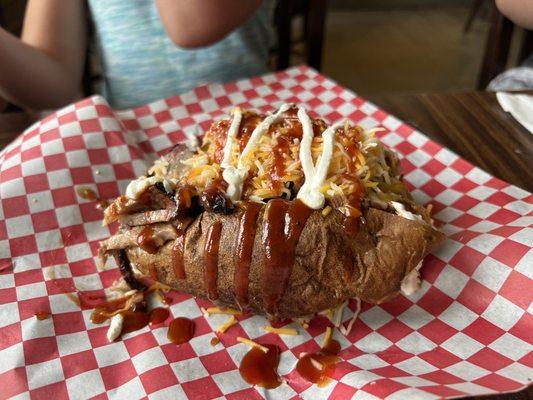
[(251, 343), (359, 166), (218, 310), (281, 331), (327, 336), (226, 325)]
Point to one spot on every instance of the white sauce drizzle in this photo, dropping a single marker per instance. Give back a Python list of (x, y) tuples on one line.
[(402, 212), (314, 175), (115, 327), (235, 176), (138, 186), (346, 330), (232, 134)]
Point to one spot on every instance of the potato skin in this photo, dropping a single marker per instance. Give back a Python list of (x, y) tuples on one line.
[(329, 267)]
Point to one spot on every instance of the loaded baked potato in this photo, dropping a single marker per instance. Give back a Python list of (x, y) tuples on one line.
[(278, 214)]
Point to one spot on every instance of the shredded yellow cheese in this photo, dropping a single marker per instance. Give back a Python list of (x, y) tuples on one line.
[(337, 318), (225, 326), (281, 331), (326, 210), (327, 336), (251, 343), (218, 310)]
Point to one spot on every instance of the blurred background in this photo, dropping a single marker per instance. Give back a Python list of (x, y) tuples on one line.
[(378, 47)]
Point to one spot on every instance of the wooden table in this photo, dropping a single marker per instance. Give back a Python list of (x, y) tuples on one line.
[(471, 124), (474, 126)]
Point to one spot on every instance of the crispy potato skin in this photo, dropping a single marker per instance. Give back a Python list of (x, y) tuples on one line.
[(329, 266)]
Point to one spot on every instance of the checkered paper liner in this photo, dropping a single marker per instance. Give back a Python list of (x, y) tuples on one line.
[(467, 331)]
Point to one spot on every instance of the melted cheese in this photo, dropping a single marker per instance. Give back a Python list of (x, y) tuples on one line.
[(235, 176)]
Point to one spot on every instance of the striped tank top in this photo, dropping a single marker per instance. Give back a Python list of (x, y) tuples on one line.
[(141, 64)]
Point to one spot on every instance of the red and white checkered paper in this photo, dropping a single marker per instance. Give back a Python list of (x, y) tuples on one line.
[(468, 331)]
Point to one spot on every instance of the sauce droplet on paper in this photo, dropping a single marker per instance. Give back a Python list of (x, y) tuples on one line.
[(260, 368), (158, 315), (42, 315), (86, 193), (180, 330), (134, 320), (318, 367)]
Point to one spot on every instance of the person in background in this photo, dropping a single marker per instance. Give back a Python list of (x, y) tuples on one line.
[(149, 49), (519, 78)]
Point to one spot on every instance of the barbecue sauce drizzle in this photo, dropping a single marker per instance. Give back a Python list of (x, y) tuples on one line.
[(147, 241), (284, 222), (245, 245), (212, 244), (318, 367), (178, 250)]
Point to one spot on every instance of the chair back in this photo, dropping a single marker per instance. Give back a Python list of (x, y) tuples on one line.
[(313, 13), (498, 45)]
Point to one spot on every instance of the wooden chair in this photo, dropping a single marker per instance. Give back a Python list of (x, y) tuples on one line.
[(498, 45), (314, 17)]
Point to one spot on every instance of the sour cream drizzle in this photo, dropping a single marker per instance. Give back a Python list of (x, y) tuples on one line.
[(232, 134), (402, 212), (138, 186), (315, 175), (235, 176)]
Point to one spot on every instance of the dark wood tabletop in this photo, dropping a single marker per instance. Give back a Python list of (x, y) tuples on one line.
[(472, 124)]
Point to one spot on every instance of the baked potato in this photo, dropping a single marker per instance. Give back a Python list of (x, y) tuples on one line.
[(277, 214)]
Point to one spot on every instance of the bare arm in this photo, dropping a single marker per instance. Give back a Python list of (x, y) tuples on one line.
[(198, 23), (44, 68), (518, 11)]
